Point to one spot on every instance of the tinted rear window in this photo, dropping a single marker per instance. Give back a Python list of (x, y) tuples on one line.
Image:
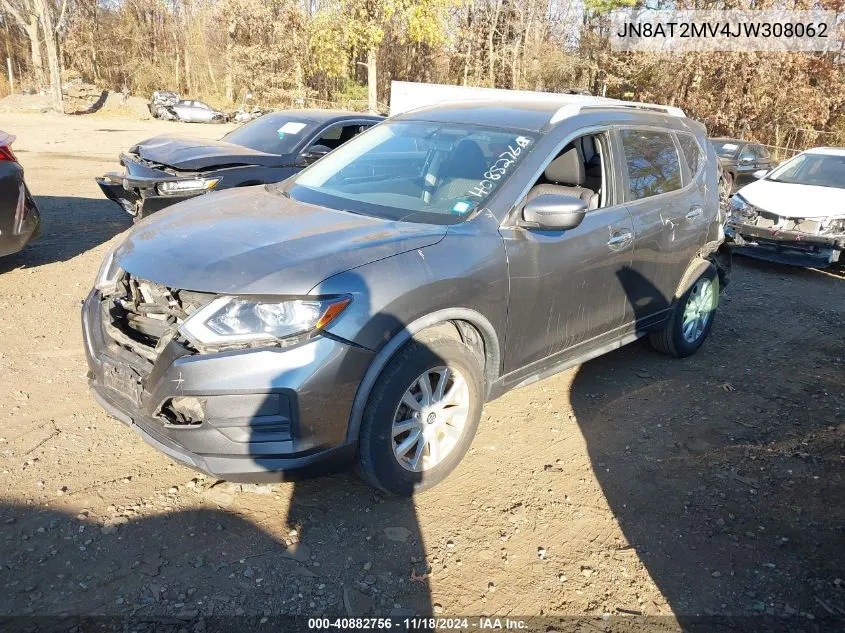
[(653, 163), (272, 133)]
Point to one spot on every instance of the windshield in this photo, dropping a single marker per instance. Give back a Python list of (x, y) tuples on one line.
[(414, 171), (271, 133), (822, 170), (725, 149)]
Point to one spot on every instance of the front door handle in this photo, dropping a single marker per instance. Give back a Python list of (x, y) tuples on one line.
[(620, 240), (694, 212)]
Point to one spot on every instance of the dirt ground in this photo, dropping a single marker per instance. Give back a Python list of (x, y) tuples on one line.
[(632, 485)]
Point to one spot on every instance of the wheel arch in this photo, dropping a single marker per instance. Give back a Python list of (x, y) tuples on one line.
[(694, 271), (465, 321)]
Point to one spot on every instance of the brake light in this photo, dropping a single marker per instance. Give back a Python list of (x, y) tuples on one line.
[(7, 154)]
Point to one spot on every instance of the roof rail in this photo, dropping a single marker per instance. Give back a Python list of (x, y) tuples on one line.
[(406, 96), (571, 109)]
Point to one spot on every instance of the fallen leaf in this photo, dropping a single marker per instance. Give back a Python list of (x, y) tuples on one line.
[(418, 578)]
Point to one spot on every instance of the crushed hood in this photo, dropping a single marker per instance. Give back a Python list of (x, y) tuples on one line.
[(795, 201), (255, 241), (195, 153)]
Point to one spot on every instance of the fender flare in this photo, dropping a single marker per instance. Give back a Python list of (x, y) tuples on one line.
[(492, 353)]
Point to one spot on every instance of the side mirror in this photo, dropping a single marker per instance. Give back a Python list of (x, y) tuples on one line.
[(745, 159), (552, 212), (760, 173), (313, 153)]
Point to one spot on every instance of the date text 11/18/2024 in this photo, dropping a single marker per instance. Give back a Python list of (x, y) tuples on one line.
[(416, 623)]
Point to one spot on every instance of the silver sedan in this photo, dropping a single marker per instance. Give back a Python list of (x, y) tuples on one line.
[(197, 112)]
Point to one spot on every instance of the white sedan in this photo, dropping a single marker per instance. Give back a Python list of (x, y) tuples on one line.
[(794, 214)]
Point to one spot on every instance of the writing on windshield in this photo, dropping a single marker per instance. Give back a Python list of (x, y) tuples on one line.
[(415, 171), (500, 168)]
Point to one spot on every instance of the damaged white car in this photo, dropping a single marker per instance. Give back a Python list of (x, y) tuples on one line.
[(794, 214)]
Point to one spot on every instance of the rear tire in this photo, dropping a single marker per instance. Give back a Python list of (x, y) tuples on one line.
[(691, 319), (380, 460)]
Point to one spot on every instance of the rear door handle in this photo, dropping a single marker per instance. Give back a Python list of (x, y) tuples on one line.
[(694, 212), (620, 240)]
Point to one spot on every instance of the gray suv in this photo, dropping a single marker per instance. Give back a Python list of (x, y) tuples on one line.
[(363, 311)]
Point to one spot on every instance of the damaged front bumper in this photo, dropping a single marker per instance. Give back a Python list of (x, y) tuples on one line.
[(141, 196), (787, 247), (256, 415)]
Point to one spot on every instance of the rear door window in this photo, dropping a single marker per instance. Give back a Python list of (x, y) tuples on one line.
[(654, 166), (692, 152)]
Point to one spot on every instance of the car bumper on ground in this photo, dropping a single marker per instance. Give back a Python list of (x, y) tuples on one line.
[(255, 415), (21, 221), (788, 247)]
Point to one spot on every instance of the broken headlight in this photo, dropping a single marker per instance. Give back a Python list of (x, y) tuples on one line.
[(230, 322), (741, 208), (109, 275), (181, 187), (833, 227)]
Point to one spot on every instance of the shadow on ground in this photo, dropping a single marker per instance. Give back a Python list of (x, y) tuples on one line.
[(329, 556), (70, 226), (331, 546), (96, 106), (725, 474)]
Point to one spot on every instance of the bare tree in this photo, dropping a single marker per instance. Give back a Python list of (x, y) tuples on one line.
[(320, 52), (50, 23), (26, 15)]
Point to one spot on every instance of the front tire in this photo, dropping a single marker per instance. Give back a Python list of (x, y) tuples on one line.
[(421, 416), (691, 319)]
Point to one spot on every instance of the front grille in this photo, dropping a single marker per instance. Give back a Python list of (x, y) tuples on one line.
[(143, 316)]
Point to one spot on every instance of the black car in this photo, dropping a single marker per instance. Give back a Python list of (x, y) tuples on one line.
[(739, 160), (164, 170), (19, 217)]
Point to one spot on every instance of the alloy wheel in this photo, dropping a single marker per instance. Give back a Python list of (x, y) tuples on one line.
[(430, 418), (698, 309)]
